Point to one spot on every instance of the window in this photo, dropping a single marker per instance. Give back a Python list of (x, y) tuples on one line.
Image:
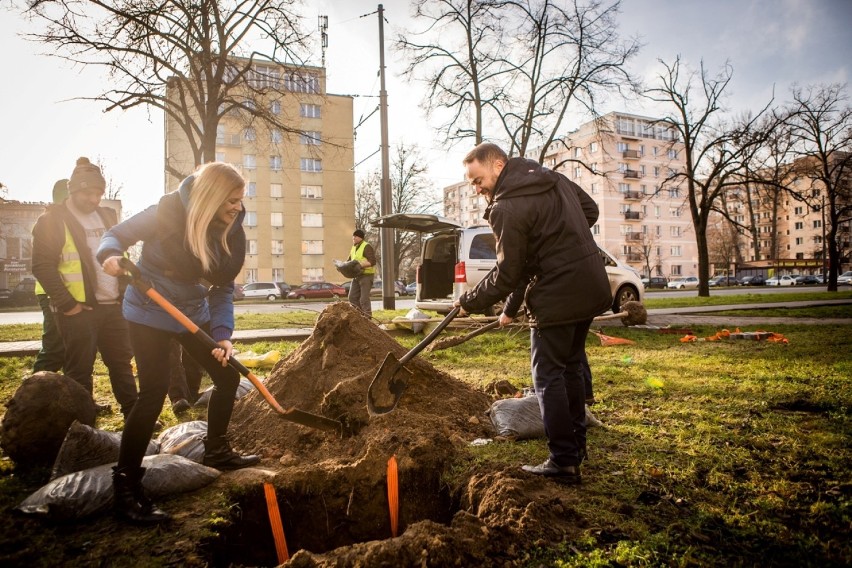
[(578, 152), (264, 77), (641, 149), (251, 275), (656, 151), (251, 189), (658, 230), (656, 170), (275, 136), (310, 111), (657, 211), (220, 156), (596, 229), (622, 168), (311, 247), (593, 147), (310, 165), (249, 134), (275, 107), (675, 268), (676, 251), (622, 146), (593, 188), (674, 212), (220, 134), (642, 170), (674, 193), (577, 172), (800, 240), (275, 163), (251, 219), (276, 190), (310, 138), (277, 248), (672, 153), (251, 246), (311, 191), (312, 275), (484, 247), (798, 210), (658, 251), (301, 82), (675, 231), (312, 219), (799, 226), (817, 223), (249, 161), (624, 187), (276, 219)]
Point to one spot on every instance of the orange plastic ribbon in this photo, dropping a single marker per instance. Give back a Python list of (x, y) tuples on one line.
[(275, 521), (393, 494)]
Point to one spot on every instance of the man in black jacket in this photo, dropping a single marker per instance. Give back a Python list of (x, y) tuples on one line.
[(547, 259), (85, 300)]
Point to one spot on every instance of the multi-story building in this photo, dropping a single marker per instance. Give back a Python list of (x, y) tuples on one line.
[(300, 197), (621, 161), (791, 231)]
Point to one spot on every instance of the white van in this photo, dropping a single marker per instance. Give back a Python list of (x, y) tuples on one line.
[(453, 259)]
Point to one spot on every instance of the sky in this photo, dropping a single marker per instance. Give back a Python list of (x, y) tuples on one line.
[(771, 45)]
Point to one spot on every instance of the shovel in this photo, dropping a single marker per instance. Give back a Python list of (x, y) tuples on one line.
[(291, 414), (392, 377)]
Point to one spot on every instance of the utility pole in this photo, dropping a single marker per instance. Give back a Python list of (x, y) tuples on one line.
[(386, 235)]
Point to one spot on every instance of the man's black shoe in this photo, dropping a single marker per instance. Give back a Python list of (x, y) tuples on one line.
[(180, 406), (565, 474)]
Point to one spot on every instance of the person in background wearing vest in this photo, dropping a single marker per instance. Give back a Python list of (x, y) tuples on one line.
[(359, 291), (85, 300), (51, 356), (193, 247)]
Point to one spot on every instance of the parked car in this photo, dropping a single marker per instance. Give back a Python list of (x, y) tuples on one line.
[(269, 290), (5, 297), (807, 279), (754, 280), (683, 283), (655, 282), (786, 280), (845, 278), (317, 290), (411, 289), (453, 259), (238, 292), (23, 294), (723, 280), (399, 289)]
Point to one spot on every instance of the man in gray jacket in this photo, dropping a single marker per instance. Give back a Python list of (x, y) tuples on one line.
[(545, 255)]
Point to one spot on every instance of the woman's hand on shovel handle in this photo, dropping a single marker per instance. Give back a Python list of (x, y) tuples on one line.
[(223, 352)]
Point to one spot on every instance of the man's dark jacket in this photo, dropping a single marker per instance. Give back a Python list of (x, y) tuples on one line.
[(48, 240), (545, 250)]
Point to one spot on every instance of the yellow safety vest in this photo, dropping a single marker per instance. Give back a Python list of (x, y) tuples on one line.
[(71, 269), (357, 253)]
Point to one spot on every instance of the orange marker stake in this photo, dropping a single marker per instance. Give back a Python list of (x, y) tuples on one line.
[(275, 521), (393, 495)]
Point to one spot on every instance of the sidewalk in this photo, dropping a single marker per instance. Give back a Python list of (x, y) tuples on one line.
[(659, 317)]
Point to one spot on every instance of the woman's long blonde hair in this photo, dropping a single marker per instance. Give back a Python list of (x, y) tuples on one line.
[(212, 185)]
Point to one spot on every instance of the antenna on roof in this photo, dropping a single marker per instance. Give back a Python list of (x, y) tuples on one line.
[(323, 26)]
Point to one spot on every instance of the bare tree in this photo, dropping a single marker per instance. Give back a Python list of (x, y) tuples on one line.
[(523, 81), (367, 205), (821, 123), (199, 49), (712, 159), (410, 193), (457, 55)]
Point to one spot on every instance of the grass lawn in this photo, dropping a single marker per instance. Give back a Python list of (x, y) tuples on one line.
[(728, 453)]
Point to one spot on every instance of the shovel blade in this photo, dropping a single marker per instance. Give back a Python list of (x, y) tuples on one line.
[(312, 420), (387, 386)]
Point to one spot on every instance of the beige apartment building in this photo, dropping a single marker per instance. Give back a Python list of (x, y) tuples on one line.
[(791, 232), (300, 198), (620, 160)]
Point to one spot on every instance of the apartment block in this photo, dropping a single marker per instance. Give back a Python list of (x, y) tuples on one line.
[(300, 197), (620, 160)]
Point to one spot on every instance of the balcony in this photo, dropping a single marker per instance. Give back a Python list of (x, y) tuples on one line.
[(632, 215), (631, 154), (633, 257), (632, 174), (632, 195), (633, 236)]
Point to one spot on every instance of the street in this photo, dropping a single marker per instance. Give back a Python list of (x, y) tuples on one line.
[(7, 318)]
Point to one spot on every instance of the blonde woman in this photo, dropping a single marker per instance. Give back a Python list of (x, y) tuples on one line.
[(191, 239)]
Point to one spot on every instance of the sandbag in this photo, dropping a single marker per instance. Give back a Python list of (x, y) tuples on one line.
[(185, 439), (520, 418), (85, 447), (243, 389), (349, 268), (87, 492), (517, 418)]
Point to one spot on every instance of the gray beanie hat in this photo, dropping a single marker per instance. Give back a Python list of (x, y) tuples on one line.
[(86, 176)]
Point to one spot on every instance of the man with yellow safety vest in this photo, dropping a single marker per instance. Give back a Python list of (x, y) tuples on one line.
[(359, 291), (85, 300)]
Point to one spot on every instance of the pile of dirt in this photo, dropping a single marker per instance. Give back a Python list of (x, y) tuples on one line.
[(332, 488)]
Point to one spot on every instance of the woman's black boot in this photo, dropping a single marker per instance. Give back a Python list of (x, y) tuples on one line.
[(218, 454), (130, 503)]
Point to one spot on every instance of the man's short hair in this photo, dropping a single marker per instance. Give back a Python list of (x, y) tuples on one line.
[(486, 153)]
